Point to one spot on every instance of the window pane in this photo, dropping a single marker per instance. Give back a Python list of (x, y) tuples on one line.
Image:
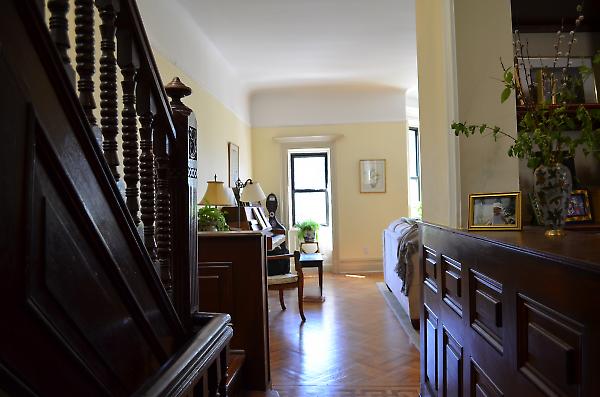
[(413, 189), (309, 172), (311, 206), (412, 153)]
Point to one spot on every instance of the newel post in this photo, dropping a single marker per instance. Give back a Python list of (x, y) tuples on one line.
[(184, 205)]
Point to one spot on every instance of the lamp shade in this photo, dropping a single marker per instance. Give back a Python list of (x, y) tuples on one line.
[(252, 193), (218, 194)]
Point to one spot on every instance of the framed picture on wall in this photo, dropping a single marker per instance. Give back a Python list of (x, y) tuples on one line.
[(234, 163), (372, 176)]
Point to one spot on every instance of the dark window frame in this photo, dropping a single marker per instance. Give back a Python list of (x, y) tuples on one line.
[(417, 177), (325, 155)]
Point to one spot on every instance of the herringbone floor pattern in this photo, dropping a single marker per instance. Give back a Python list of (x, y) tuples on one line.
[(350, 346)]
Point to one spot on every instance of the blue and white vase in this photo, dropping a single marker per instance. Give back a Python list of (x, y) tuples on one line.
[(552, 186)]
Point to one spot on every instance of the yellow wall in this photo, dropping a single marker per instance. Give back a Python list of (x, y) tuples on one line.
[(459, 43), (359, 218), (438, 189), (483, 36), (217, 125)]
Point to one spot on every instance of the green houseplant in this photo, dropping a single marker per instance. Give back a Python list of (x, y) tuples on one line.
[(542, 138), (210, 218), (307, 230)]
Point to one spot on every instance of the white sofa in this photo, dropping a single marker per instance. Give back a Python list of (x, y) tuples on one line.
[(393, 235)]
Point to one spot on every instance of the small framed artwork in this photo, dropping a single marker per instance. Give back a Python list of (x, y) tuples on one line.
[(495, 211), (579, 209), (372, 176), (234, 163)]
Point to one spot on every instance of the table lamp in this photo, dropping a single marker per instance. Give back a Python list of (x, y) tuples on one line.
[(252, 192), (217, 194)]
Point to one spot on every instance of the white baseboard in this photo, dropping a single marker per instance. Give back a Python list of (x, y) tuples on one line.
[(367, 265)]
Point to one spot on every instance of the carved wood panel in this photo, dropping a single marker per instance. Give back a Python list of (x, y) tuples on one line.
[(481, 384), (68, 295), (451, 284), (453, 362), (550, 348), (486, 308), (75, 290), (215, 286), (530, 314), (430, 268), (431, 349)]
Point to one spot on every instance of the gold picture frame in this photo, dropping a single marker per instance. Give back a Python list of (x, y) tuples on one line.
[(372, 176), (579, 209), (495, 211)]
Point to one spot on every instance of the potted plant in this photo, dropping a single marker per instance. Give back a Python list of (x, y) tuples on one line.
[(542, 137), (307, 230), (210, 218)]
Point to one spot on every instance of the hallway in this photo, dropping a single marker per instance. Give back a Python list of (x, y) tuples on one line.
[(351, 345)]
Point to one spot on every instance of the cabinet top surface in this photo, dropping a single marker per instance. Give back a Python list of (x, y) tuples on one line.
[(576, 247)]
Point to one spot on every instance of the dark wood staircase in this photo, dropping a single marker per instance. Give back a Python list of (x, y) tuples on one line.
[(98, 268)]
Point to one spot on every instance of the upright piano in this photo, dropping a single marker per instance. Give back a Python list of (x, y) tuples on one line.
[(254, 218), (232, 279)]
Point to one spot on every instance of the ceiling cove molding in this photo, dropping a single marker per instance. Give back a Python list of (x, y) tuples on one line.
[(302, 106), (175, 35), (308, 138)]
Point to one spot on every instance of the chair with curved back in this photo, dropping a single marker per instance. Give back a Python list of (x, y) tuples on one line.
[(282, 282)]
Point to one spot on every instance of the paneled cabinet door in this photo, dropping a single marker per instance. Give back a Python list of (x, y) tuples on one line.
[(430, 352), (452, 366), (215, 287)]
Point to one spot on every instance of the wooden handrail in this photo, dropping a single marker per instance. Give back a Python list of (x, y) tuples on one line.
[(180, 375)]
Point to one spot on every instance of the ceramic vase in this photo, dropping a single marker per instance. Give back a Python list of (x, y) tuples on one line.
[(207, 228), (310, 236), (552, 187)]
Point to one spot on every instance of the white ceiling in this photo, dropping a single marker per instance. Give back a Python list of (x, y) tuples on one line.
[(278, 43)]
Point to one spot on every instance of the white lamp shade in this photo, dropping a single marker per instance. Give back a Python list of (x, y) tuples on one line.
[(252, 193), (218, 194)]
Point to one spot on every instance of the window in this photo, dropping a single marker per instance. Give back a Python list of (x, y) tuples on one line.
[(414, 174), (309, 187)]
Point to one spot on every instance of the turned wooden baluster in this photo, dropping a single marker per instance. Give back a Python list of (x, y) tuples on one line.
[(108, 10), (59, 28), (163, 204), (129, 63), (146, 110), (84, 48)]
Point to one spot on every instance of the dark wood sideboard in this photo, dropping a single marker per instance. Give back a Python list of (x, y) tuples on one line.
[(232, 279), (509, 313)]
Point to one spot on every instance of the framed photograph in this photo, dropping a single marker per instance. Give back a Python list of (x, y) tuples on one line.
[(579, 209), (372, 176), (234, 163), (585, 93), (495, 211)]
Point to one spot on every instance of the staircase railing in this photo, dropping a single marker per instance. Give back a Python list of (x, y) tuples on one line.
[(80, 284), (156, 141)]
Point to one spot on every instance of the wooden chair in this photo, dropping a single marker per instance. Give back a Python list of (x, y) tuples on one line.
[(288, 281)]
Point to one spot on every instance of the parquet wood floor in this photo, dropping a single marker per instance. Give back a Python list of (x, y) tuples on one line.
[(350, 346)]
